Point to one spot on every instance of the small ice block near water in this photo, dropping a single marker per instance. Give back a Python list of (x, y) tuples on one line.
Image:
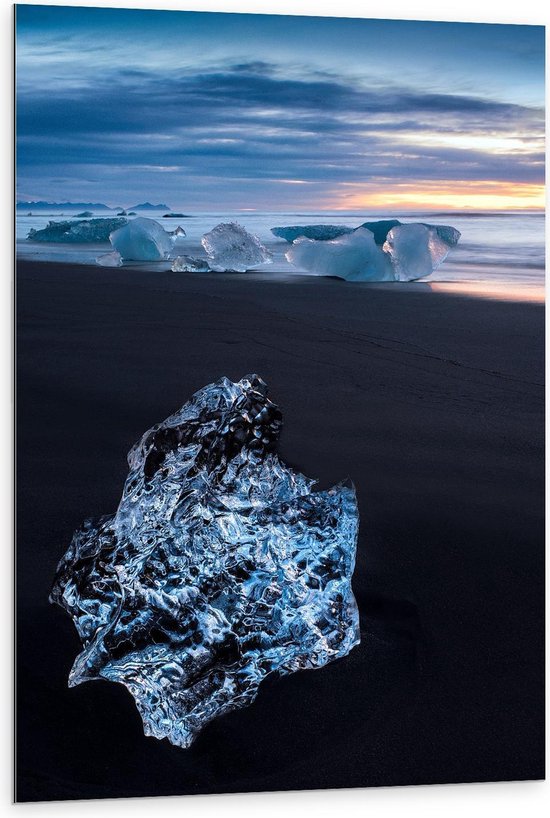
[(144, 240), (231, 248), (85, 231), (354, 257), (221, 566), (189, 264), (113, 259)]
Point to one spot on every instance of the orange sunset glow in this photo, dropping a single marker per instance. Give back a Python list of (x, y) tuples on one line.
[(443, 195)]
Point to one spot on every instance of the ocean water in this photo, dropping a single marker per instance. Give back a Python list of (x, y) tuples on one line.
[(500, 254)]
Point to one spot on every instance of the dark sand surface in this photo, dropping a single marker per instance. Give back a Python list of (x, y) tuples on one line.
[(431, 403)]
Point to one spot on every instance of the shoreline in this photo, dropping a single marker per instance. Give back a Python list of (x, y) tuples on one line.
[(499, 290)]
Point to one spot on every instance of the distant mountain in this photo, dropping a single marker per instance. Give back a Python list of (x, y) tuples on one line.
[(78, 206), (149, 206)]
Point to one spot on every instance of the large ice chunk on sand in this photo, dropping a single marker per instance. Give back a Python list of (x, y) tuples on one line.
[(408, 252), (354, 257), (416, 250), (221, 566), (144, 240), (231, 248), (78, 232)]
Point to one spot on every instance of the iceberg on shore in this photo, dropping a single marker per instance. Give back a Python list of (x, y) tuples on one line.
[(85, 231), (221, 566), (144, 240), (231, 248), (354, 256), (409, 252)]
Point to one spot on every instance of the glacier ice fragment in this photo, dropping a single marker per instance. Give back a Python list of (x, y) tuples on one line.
[(319, 232), (144, 239), (416, 250), (327, 232), (354, 257), (231, 248), (189, 264), (87, 230), (220, 566), (408, 252), (113, 259), (447, 234)]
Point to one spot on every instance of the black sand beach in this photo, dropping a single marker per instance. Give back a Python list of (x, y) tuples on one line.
[(432, 403)]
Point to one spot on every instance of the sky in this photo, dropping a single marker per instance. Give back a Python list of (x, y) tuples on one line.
[(214, 112)]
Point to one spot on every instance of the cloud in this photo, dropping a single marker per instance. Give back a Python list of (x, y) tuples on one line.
[(248, 121)]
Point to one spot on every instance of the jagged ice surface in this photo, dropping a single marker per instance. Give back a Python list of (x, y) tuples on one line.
[(87, 230), (144, 240), (231, 248), (319, 232), (220, 566), (189, 264)]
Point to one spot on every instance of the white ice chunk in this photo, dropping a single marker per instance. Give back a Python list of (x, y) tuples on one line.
[(188, 264), (416, 250), (230, 247), (144, 240), (354, 257), (113, 259)]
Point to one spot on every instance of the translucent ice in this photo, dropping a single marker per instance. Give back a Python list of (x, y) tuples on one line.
[(231, 248), (220, 566), (113, 259), (449, 235), (144, 240), (402, 252), (189, 264), (416, 250), (88, 230), (355, 257)]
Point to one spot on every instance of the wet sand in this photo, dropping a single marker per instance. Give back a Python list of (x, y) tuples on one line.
[(432, 403)]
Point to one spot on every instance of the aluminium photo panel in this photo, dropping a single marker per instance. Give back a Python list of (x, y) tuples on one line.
[(280, 402)]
